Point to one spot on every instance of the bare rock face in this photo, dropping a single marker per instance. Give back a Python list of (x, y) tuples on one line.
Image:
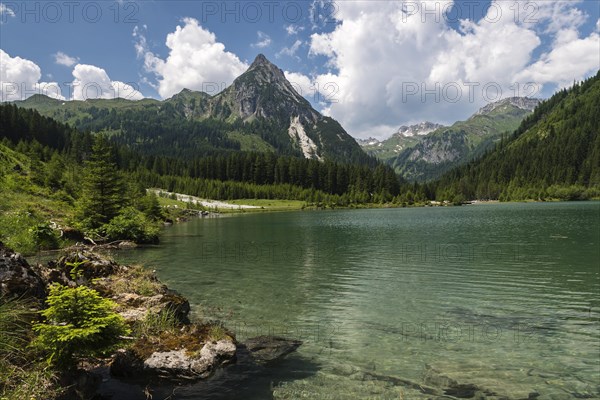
[(17, 277)]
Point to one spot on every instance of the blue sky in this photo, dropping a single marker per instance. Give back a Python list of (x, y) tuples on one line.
[(372, 62)]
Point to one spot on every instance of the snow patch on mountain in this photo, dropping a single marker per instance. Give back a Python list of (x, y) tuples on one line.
[(422, 129)]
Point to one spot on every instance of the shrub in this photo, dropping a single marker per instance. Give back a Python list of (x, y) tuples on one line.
[(26, 232), (78, 322), (150, 206), (44, 236), (132, 224), (568, 193)]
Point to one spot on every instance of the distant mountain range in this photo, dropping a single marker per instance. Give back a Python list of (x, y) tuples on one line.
[(426, 151), (404, 138), (554, 153), (260, 111)]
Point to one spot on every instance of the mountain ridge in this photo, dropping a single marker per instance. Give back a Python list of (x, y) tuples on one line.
[(554, 153), (449, 147), (259, 111)]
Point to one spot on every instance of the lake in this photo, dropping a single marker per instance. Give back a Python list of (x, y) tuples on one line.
[(501, 296)]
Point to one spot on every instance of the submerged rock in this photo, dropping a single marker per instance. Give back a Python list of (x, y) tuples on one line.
[(17, 277), (126, 244), (265, 349)]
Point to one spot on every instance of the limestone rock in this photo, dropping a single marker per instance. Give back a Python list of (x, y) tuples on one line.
[(265, 349), (175, 364), (17, 277)]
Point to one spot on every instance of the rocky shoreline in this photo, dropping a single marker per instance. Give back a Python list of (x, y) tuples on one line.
[(165, 345)]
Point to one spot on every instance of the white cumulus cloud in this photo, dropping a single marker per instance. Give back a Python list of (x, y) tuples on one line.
[(6, 11), (293, 29), (61, 58), (391, 65), (92, 82), (302, 83), (264, 40), (20, 79), (196, 61), (290, 51), (558, 66)]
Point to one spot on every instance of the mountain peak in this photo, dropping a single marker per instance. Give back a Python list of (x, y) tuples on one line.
[(263, 91), (261, 59), (263, 70), (523, 103), (422, 129)]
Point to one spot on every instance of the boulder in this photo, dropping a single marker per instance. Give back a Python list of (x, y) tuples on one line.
[(175, 365), (17, 278), (126, 244), (134, 307), (86, 265), (176, 304), (265, 349), (126, 364)]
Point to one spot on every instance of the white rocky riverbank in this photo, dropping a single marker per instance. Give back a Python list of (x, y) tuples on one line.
[(214, 204)]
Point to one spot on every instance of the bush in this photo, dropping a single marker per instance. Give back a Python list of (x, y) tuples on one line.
[(78, 322), (132, 224), (150, 206), (44, 236), (26, 232), (567, 193)]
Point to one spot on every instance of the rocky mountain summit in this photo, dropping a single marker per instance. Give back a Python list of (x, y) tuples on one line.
[(421, 129), (426, 150), (405, 137), (523, 103), (259, 111)]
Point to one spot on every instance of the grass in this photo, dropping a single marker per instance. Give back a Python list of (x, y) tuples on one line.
[(251, 142), (156, 324), (265, 205), (136, 280), (165, 202), (29, 382), (25, 205), (217, 332), (20, 377)]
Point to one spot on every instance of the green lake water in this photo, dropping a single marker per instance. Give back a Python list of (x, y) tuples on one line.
[(502, 296)]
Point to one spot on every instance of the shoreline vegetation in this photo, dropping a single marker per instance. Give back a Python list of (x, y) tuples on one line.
[(62, 186), (68, 326)]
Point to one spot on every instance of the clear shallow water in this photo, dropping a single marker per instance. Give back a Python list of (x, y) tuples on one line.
[(504, 296)]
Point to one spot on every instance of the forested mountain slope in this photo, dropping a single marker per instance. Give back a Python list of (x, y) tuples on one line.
[(260, 112), (554, 153)]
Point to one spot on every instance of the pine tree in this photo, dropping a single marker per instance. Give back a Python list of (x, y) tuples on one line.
[(103, 193)]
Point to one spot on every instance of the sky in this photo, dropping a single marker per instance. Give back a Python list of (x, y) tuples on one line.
[(372, 65)]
